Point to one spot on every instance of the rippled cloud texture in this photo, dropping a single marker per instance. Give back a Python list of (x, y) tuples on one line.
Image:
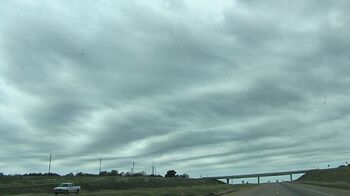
[(202, 87)]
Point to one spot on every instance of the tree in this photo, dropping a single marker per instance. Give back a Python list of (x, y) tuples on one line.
[(170, 174), (70, 174), (103, 173), (83, 174), (114, 173), (184, 176)]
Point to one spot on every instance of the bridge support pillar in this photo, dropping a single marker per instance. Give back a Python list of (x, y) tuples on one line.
[(258, 180), (228, 181), (291, 177)]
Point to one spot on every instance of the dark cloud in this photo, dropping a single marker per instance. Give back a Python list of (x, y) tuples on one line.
[(199, 87)]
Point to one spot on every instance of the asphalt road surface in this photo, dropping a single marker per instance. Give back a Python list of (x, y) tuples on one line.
[(291, 189)]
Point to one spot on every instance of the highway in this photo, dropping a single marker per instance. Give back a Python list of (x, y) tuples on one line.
[(290, 189)]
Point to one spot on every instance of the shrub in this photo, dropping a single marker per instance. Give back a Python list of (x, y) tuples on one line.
[(170, 174)]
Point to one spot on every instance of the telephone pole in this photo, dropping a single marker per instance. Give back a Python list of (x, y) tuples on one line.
[(133, 167), (100, 166), (50, 163)]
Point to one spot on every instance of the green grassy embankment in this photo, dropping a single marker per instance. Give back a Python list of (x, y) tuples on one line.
[(112, 185), (335, 177)]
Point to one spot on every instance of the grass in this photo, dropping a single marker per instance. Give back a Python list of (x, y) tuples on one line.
[(113, 185), (335, 177), (340, 185), (328, 175), (202, 190)]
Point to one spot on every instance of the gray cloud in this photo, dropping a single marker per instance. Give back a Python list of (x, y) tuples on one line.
[(199, 87)]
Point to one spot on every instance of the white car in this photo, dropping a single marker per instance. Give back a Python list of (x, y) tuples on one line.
[(67, 188)]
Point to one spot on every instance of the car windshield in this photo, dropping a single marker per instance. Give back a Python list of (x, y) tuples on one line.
[(144, 95)]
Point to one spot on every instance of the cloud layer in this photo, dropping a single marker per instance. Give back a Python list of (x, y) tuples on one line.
[(199, 87)]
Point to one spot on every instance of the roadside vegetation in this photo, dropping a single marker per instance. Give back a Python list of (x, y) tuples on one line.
[(198, 190), (335, 177), (109, 183)]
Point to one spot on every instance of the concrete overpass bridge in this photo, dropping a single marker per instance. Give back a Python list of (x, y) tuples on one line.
[(259, 175)]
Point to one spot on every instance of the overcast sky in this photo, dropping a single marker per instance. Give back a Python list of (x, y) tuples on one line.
[(202, 87)]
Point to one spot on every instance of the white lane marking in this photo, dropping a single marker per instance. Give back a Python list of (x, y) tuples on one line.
[(322, 193), (276, 190)]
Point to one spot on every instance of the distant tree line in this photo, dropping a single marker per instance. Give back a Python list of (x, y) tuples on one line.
[(31, 174), (169, 174)]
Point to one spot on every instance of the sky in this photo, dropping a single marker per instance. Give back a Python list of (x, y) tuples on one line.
[(206, 88)]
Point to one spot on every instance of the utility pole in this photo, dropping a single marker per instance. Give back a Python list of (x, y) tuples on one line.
[(133, 168), (50, 163), (100, 166), (153, 168)]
